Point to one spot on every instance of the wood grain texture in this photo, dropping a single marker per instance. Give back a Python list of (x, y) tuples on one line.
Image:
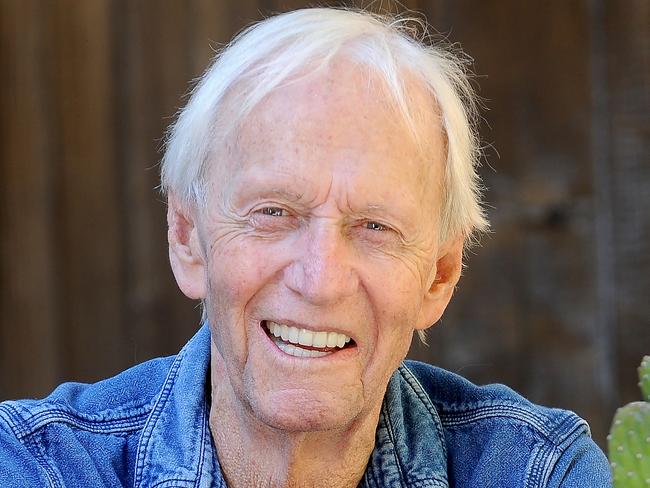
[(86, 172), (628, 111), (30, 353)]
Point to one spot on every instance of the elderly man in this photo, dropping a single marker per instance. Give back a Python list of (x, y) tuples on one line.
[(322, 187)]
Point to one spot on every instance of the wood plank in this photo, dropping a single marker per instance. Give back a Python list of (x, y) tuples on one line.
[(627, 34), (388, 6), (89, 222), (211, 28), (154, 62), (29, 352)]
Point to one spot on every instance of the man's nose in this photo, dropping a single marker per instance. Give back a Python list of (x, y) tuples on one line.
[(322, 270)]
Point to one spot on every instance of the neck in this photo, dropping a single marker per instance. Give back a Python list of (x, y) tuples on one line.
[(255, 455)]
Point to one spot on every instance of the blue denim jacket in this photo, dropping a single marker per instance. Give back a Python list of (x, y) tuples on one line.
[(148, 427)]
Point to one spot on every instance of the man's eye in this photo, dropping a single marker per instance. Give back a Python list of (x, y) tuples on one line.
[(273, 211), (376, 226)]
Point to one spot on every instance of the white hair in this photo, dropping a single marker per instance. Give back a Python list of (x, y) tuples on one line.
[(272, 52)]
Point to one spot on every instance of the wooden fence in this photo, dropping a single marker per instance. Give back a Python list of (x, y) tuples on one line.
[(555, 303)]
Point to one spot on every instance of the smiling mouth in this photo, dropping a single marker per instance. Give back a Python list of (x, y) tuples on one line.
[(305, 343)]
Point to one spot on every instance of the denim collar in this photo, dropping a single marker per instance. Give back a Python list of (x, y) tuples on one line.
[(410, 450), (176, 449)]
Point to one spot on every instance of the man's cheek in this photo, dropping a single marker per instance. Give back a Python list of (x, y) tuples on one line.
[(396, 338), (229, 336), (233, 277)]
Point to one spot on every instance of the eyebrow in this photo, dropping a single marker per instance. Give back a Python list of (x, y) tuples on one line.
[(280, 192), (375, 208)]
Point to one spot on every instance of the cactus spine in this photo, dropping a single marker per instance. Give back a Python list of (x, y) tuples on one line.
[(629, 438)]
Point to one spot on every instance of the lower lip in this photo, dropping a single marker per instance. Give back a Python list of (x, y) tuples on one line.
[(340, 354)]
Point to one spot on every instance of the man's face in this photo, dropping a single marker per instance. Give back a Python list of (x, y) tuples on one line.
[(321, 227)]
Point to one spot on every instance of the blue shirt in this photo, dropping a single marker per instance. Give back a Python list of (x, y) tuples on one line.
[(148, 427)]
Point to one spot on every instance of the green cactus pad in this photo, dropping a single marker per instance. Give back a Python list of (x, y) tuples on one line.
[(629, 446), (644, 378), (629, 438)]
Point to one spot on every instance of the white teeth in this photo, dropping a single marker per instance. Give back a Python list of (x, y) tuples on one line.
[(293, 334), (274, 330), (320, 339), (306, 337), (296, 351)]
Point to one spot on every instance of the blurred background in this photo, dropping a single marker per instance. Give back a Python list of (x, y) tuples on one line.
[(555, 303)]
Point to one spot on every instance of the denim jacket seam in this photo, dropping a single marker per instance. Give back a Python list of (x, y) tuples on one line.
[(152, 419), (417, 480), (537, 423), (419, 390), (115, 414), (428, 483), (45, 419), (196, 480), (371, 481), (34, 445), (552, 449), (566, 431), (15, 420), (26, 422), (391, 437), (468, 413), (166, 481), (552, 454), (556, 433), (541, 464)]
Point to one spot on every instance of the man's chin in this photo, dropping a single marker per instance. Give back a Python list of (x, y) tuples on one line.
[(302, 412)]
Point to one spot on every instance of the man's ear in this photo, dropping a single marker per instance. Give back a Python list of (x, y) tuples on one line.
[(448, 266), (185, 252)]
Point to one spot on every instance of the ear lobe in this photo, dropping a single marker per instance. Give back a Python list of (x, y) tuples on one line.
[(448, 269), (185, 253)]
